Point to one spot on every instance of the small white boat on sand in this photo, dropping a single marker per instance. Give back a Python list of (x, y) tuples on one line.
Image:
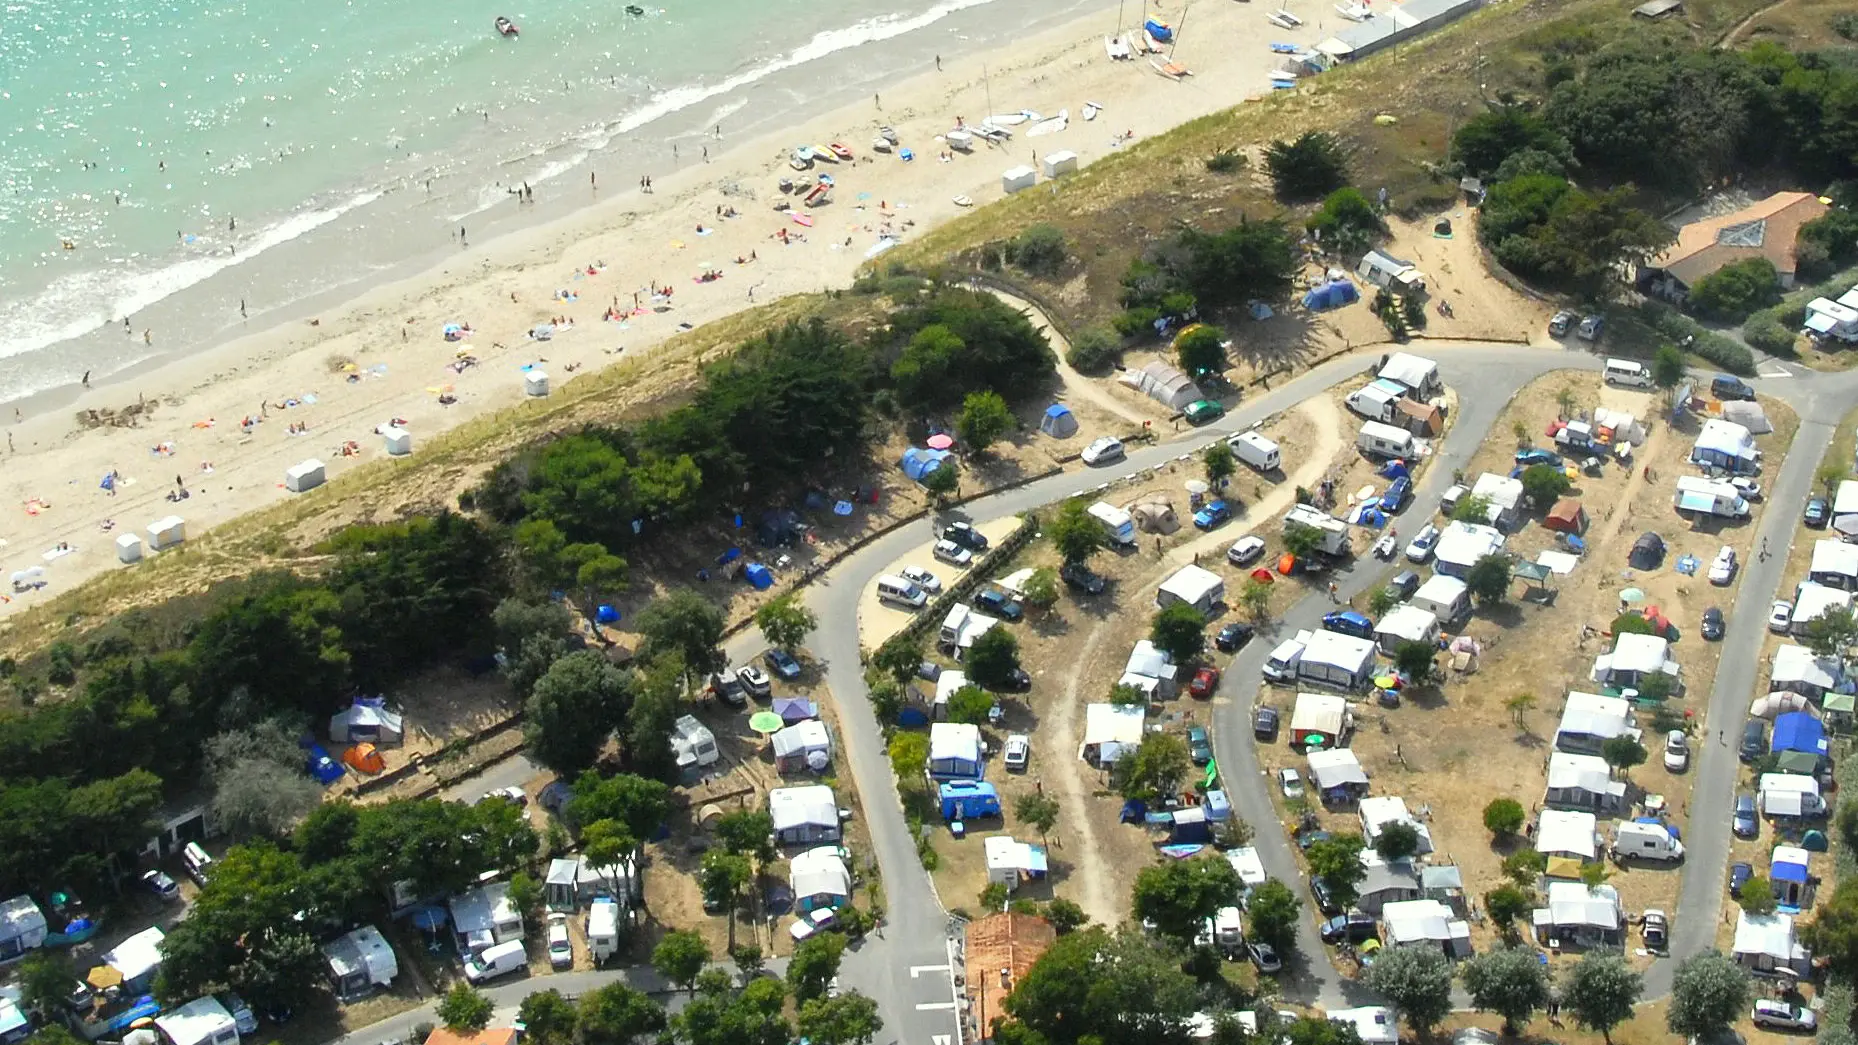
[(1354, 12), (1117, 47), (1008, 119), (1091, 109), (1171, 70), (1051, 126)]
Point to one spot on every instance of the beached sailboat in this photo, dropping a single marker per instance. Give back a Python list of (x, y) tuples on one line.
[(1117, 47), (1284, 19), (1051, 126), (1171, 70), (1354, 12)]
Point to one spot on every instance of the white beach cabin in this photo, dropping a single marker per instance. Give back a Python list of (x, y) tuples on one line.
[(165, 533), (398, 441), (1017, 178), (535, 382), (1063, 161), (305, 476), (128, 548)]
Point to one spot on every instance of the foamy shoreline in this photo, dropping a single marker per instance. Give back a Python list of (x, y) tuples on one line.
[(503, 288)]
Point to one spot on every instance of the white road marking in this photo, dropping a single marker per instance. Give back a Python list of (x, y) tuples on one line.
[(934, 1006), (1778, 371), (917, 970)]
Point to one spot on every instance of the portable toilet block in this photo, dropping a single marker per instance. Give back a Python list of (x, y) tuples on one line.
[(1018, 178), (399, 441), (165, 533), (129, 548), (535, 382), (1062, 162), (305, 476)]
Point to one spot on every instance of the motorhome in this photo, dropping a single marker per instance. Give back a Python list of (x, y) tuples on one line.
[(1381, 440), (1116, 522)]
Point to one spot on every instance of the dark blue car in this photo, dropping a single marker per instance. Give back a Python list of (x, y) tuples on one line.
[(1349, 622), (998, 603), (1397, 495), (783, 663)]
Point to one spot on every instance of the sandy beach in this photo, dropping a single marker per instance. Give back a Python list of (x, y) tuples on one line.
[(319, 387)]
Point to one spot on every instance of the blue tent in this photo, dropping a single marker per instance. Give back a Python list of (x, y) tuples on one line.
[(606, 615), (1333, 294), (1798, 731), (919, 462), (1058, 422), (1133, 811), (966, 799), (320, 765), (1158, 29), (1394, 469), (759, 576), (1190, 826)]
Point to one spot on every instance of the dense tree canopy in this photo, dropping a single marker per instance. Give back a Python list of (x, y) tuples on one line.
[(1092, 985)]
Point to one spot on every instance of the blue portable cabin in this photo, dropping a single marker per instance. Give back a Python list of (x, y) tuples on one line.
[(1190, 825), (968, 799)]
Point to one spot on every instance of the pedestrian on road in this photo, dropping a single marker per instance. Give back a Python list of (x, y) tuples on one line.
[(1333, 598)]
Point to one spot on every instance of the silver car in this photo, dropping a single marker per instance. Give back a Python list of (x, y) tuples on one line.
[(953, 554), (1419, 549)]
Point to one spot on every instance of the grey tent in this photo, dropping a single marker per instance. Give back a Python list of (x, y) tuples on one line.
[(1647, 552)]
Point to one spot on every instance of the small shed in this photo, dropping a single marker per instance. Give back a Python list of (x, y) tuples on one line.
[(166, 533), (397, 441), (1059, 422), (307, 475), (1017, 178), (1010, 860), (1064, 161), (128, 548), (1567, 516), (535, 382)]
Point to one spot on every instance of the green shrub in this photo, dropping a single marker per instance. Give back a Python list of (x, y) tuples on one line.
[(1136, 322), (1094, 351), (1846, 25), (1040, 249), (1226, 161), (1735, 290), (1765, 331)]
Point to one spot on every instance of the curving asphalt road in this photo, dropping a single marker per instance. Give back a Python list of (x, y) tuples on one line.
[(906, 966)]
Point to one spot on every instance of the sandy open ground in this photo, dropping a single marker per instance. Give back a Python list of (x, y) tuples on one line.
[(383, 357)]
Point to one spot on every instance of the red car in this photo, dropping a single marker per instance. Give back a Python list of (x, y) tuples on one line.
[(1205, 681)]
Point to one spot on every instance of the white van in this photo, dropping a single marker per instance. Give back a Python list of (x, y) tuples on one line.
[(1255, 450), (1646, 842), (902, 592), (499, 960), (1628, 373), (1281, 665), (197, 862)]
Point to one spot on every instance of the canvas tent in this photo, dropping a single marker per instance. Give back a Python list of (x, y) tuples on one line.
[(1647, 552), (1337, 773), (1766, 943), (1378, 813), (1835, 564), (1566, 516), (1461, 544), (1634, 656), (369, 719), (1417, 373), (1164, 384), (1726, 445), (1797, 669), (819, 879), (804, 815), (1320, 717), (1333, 659), (1748, 414), (1589, 720), (1194, 585), (802, 746), (1059, 422), (1583, 782), (1406, 624), (1110, 732), (1811, 601), (1569, 833), (955, 751), (1580, 915)]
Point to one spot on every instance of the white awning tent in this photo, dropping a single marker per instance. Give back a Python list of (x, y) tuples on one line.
[(1379, 812), (1406, 624), (1574, 904), (1112, 729), (1800, 670), (1149, 669), (1634, 656), (1415, 372), (1564, 832), (947, 684), (1194, 585), (1723, 443), (1589, 720), (1336, 659), (794, 808), (1322, 713), (1583, 780), (819, 876), (1835, 563), (1766, 942), (1812, 600), (1336, 767)]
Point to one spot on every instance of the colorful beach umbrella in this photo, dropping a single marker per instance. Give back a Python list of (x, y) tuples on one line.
[(766, 722)]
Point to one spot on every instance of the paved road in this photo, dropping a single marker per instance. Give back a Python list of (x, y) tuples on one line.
[(514, 771), (906, 969)]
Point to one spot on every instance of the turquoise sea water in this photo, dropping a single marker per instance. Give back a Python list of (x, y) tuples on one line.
[(198, 155)]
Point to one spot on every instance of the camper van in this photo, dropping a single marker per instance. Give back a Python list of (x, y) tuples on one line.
[(1699, 496), (1628, 373), (1228, 931), (1281, 665), (1255, 450), (1379, 440), (1334, 531), (901, 592), (498, 960), (1116, 522), (1644, 841)]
